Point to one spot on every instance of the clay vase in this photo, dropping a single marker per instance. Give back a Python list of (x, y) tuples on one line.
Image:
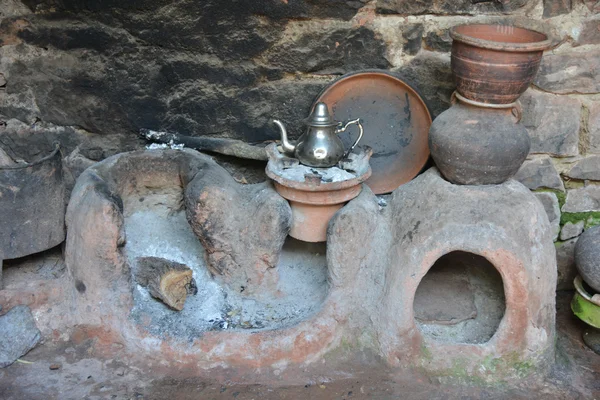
[(587, 257), (478, 146), (495, 64)]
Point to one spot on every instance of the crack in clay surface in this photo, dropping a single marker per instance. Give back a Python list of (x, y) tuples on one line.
[(156, 229)]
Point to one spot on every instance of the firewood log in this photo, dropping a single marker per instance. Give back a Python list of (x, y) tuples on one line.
[(166, 280)]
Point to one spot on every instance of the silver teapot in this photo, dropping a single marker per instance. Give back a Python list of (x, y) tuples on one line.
[(319, 146)]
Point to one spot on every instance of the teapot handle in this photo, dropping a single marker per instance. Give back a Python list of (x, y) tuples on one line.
[(360, 133)]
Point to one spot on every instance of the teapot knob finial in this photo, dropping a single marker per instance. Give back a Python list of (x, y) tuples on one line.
[(320, 116)]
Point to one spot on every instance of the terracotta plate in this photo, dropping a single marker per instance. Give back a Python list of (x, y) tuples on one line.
[(395, 119)]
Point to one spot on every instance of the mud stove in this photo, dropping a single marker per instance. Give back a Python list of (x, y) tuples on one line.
[(442, 278)]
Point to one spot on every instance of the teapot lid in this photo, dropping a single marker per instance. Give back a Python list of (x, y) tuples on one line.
[(320, 116)]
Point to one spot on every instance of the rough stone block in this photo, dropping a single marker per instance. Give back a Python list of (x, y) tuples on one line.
[(593, 5), (413, 37), (583, 199), (65, 89), (211, 11), (551, 206), (590, 32), (552, 122), (31, 140), (330, 51), (565, 261), (405, 7), (430, 73), (539, 173), (552, 8), (586, 169), (571, 230), (438, 40), (287, 100), (12, 8), (594, 127), (570, 72), (18, 334)]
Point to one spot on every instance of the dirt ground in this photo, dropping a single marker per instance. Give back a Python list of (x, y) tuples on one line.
[(81, 375)]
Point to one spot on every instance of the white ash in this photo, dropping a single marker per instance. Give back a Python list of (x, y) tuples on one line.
[(162, 146), (157, 146), (332, 174), (151, 233), (153, 135), (156, 229), (178, 146)]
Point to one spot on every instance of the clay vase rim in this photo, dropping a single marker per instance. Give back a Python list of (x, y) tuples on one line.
[(457, 33)]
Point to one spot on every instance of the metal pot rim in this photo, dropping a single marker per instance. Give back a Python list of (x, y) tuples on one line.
[(502, 46)]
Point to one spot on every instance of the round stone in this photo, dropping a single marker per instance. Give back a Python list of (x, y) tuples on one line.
[(587, 257)]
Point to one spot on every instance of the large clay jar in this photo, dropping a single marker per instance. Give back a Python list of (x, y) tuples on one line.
[(478, 146), (495, 64), (587, 257), (32, 207)]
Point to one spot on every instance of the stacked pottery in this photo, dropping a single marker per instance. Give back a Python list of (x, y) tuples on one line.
[(479, 140), (586, 301)]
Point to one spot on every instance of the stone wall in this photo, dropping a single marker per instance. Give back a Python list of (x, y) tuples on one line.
[(92, 73)]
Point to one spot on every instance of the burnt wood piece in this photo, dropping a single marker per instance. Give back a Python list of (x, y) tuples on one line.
[(229, 147), (166, 280)]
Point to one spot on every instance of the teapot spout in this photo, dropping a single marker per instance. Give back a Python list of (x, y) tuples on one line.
[(287, 147)]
